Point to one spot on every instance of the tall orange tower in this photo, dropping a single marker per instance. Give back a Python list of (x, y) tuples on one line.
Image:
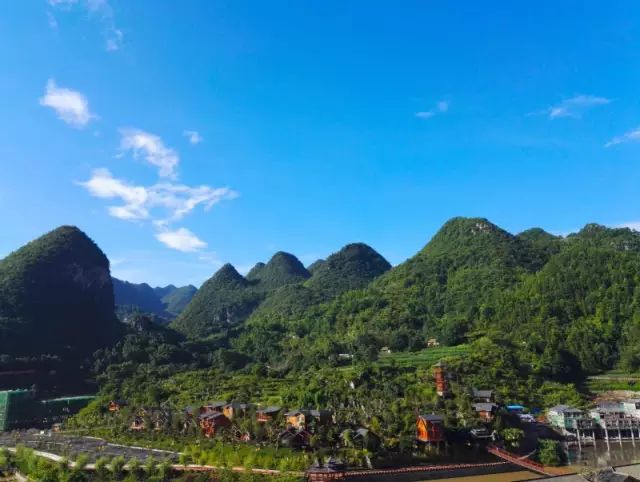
[(441, 379)]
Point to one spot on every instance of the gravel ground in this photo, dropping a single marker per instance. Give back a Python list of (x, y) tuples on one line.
[(70, 446)]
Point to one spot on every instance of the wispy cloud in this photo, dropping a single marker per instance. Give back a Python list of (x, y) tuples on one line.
[(163, 203), (210, 257), (193, 136), (152, 149), (635, 225), (631, 136), (61, 3), (114, 40), (70, 105), (100, 9), (440, 108), (181, 239), (135, 198), (51, 20), (574, 107)]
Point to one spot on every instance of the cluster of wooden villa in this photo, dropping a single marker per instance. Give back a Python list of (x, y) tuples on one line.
[(618, 419), (217, 415), (430, 428)]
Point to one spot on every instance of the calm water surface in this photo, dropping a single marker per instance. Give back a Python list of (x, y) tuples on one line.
[(603, 454)]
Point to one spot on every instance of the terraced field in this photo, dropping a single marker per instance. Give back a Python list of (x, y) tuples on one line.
[(614, 380), (424, 358)]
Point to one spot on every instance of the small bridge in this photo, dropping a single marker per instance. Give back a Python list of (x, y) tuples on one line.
[(523, 462)]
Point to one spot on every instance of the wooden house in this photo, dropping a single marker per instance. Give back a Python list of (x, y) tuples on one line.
[(267, 414), (301, 419), (486, 411), (322, 417), (116, 405), (137, 424), (234, 409), (569, 418), (213, 407), (212, 422), (430, 428), (364, 438), (294, 439), (485, 396), (298, 419)]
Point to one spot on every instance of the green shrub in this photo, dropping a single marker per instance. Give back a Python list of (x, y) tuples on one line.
[(550, 453)]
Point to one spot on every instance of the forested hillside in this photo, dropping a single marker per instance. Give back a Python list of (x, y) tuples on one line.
[(56, 295), (570, 304), (56, 308), (555, 307), (279, 287)]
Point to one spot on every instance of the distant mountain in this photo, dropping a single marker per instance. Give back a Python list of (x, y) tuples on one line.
[(621, 239), (140, 297), (175, 300), (282, 269), (315, 265), (353, 267), (543, 245), (56, 297), (165, 302), (281, 287), (222, 302)]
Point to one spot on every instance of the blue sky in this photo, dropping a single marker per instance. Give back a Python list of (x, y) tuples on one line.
[(181, 135)]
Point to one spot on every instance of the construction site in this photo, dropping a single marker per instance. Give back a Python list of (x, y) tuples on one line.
[(21, 409)]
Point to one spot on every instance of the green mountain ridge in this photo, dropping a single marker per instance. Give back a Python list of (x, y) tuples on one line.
[(561, 306), (568, 297), (56, 296), (276, 285)]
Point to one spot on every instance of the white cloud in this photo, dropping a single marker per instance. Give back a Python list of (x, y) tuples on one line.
[(441, 107), (70, 105), (181, 239), (180, 200), (135, 198), (575, 106), (631, 136), (153, 150), (162, 203), (193, 136), (174, 201)]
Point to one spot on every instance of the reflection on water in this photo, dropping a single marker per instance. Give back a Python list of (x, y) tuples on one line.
[(603, 454), (507, 477)]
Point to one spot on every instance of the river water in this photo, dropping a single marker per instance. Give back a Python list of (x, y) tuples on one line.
[(599, 455), (603, 455)]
